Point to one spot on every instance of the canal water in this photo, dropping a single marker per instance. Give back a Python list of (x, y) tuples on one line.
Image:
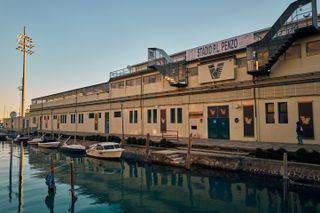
[(129, 186)]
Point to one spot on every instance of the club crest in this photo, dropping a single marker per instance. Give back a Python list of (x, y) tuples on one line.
[(215, 72)]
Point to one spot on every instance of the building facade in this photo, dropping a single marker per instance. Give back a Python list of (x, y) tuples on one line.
[(252, 87)]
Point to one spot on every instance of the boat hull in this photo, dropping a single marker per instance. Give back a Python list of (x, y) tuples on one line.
[(49, 145), (73, 150), (105, 154)]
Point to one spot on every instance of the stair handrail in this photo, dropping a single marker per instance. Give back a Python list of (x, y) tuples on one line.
[(283, 19)]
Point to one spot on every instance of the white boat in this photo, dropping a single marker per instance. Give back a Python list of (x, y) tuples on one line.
[(73, 148), (105, 150), (49, 144), (35, 141)]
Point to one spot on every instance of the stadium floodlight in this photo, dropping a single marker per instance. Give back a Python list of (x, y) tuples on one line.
[(24, 45)]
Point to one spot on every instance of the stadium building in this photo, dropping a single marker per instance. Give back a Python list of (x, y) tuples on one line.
[(251, 87)]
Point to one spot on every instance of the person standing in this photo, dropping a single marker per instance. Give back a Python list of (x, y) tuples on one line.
[(299, 131)]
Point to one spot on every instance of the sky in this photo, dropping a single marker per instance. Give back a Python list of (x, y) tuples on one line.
[(78, 42)]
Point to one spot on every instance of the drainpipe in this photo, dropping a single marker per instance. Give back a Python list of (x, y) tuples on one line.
[(256, 111)]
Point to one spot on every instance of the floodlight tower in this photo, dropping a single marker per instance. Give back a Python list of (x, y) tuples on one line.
[(24, 46)]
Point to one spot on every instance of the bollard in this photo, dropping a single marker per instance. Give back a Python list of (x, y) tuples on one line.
[(146, 155), (285, 166), (188, 158)]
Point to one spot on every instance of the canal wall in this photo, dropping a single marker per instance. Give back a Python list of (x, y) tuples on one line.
[(301, 172)]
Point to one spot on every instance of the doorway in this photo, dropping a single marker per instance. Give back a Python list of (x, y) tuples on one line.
[(218, 122)]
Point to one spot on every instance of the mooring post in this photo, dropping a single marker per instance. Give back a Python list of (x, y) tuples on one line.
[(53, 186), (285, 166), (188, 158), (146, 156), (72, 180)]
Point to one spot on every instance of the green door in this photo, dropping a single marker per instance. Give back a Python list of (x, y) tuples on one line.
[(213, 128), (218, 122)]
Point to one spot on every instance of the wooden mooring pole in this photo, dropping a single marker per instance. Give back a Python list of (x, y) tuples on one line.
[(146, 155), (73, 197), (285, 166), (188, 158), (53, 186)]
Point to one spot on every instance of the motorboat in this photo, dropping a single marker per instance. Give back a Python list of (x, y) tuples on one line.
[(35, 141), (49, 144), (73, 148), (105, 150), (21, 139)]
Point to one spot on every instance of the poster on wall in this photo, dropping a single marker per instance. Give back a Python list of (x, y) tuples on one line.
[(306, 118), (248, 121)]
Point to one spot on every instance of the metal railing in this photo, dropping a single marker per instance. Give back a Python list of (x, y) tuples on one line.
[(120, 72), (174, 134)]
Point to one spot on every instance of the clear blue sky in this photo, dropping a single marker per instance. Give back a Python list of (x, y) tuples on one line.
[(78, 42)]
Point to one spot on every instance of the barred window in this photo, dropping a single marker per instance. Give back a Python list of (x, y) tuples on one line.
[(241, 62), (313, 48), (117, 114), (133, 82), (118, 85), (151, 79), (193, 71), (293, 52)]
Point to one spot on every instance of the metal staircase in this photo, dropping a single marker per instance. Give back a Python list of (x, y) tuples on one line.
[(173, 72), (298, 20)]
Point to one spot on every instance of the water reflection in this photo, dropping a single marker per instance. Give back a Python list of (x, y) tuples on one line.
[(21, 178), (138, 187)]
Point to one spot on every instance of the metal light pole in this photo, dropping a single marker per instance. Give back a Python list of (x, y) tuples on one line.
[(24, 46)]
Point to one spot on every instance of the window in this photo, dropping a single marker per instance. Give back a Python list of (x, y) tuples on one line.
[(80, 118), (118, 85), (99, 114), (63, 119), (91, 115), (152, 116), (136, 116), (151, 79), (34, 120), (131, 117), (283, 113), (269, 113), (117, 114), (172, 115), (73, 118), (293, 52), (241, 62), (155, 116), (193, 71), (55, 117), (149, 116), (179, 115), (133, 82), (313, 48)]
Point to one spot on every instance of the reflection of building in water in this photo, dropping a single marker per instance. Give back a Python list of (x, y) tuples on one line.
[(139, 186)]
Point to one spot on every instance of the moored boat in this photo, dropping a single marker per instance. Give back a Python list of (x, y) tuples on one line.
[(35, 141), (73, 148), (49, 144), (105, 150)]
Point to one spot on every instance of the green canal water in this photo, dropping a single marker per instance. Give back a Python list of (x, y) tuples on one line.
[(128, 186)]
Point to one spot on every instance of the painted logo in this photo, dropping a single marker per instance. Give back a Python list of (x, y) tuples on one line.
[(215, 72)]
